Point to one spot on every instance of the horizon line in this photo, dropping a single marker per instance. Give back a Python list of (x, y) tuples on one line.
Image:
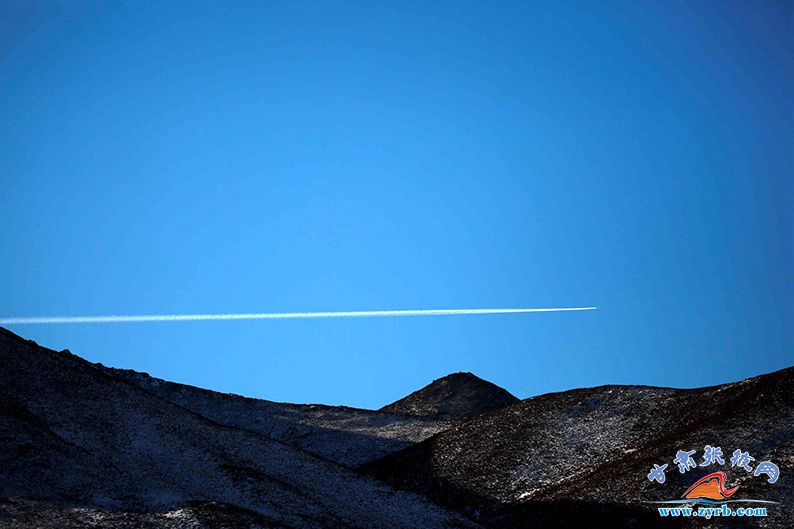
[(272, 315)]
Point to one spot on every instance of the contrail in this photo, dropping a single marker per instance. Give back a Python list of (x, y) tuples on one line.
[(272, 315)]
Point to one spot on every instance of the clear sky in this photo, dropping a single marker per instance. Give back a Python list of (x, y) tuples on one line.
[(168, 157)]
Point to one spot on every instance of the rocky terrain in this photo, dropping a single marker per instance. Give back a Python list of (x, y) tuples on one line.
[(85, 445), (84, 448), (562, 458), (348, 436), (452, 397)]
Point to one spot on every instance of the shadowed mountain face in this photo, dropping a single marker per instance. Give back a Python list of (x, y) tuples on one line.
[(452, 397), (348, 436), (84, 445), (562, 458), (84, 448)]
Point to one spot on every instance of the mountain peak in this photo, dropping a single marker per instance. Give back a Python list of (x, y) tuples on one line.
[(456, 395)]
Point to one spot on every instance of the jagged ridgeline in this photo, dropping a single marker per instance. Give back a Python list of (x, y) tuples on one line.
[(85, 445)]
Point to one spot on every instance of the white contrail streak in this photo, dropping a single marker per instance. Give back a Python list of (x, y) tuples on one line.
[(271, 315)]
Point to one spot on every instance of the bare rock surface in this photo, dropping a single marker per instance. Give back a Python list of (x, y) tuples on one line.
[(76, 437), (452, 397), (349, 436), (23, 514), (84, 445), (583, 456)]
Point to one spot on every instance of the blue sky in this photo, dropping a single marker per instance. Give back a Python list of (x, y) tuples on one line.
[(168, 157)]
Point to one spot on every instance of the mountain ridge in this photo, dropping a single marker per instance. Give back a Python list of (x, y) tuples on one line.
[(453, 396), (91, 446), (76, 437), (559, 457)]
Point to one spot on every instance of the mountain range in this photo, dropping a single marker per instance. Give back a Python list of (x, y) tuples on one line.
[(84, 445)]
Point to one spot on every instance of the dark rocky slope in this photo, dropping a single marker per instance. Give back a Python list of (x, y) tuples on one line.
[(348, 436), (88, 446), (453, 396), (84, 448), (581, 457)]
